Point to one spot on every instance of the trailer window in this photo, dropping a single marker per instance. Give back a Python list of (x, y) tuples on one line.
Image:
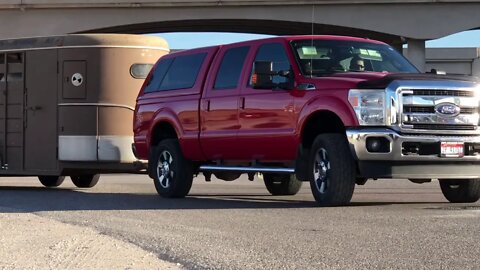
[(183, 72), (140, 71)]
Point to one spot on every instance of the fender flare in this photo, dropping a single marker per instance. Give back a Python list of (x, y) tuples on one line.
[(168, 116), (331, 104)]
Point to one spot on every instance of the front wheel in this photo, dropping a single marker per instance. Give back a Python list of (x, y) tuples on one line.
[(51, 180), (85, 181), (460, 190), (282, 184), (331, 170), (172, 173)]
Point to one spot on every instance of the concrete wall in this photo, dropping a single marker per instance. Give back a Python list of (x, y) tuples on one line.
[(453, 60)]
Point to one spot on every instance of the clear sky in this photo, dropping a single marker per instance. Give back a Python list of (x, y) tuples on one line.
[(192, 40)]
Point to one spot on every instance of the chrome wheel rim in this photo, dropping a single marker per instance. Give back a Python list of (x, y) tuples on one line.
[(321, 171), (164, 169)]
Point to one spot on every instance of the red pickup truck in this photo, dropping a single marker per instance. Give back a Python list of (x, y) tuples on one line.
[(334, 111)]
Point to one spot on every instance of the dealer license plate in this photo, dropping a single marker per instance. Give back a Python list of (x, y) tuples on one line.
[(451, 149)]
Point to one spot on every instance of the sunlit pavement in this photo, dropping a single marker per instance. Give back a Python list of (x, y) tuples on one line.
[(391, 224)]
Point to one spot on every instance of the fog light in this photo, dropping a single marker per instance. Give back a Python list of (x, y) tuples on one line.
[(378, 145)]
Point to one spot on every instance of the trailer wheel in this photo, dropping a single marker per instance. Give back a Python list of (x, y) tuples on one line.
[(331, 170), (282, 184), (86, 180), (51, 180), (172, 173), (460, 190)]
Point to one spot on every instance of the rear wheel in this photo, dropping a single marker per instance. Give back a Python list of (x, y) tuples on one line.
[(460, 190), (85, 181), (51, 180), (282, 184), (172, 173), (331, 170)]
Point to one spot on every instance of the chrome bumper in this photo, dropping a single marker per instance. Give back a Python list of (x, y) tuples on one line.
[(395, 164), (357, 139)]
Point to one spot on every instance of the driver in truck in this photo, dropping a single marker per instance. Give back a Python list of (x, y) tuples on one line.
[(357, 64)]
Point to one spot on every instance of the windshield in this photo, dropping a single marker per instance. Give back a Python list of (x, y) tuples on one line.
[(325, 57)]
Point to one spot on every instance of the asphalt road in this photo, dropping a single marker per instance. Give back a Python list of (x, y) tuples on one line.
[(391, 224)]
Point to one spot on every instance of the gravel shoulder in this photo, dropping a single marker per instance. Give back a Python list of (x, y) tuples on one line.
[(29, 241)]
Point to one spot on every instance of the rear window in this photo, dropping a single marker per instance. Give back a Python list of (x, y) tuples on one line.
[(158, 74), (183, 72)]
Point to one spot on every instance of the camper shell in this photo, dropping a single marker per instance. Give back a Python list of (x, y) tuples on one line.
[(67, 102)]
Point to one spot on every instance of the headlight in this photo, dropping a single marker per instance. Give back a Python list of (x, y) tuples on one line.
[(369, 106)]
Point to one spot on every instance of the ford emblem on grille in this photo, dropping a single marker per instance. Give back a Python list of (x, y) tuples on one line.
[(447, 109)]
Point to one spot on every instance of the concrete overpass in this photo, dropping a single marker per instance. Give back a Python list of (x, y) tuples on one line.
[(393, 21)]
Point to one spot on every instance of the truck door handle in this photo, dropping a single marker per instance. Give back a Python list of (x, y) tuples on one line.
[(207, 106), (242, 103)]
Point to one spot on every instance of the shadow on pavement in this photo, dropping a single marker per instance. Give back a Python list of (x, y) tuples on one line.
[(36, 199)]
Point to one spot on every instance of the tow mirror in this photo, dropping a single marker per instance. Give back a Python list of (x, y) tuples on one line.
[(263, 75)]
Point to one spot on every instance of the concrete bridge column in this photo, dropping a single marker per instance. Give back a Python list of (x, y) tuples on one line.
[(416, 53)]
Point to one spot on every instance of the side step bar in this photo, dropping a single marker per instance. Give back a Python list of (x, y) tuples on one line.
[(246, 169)]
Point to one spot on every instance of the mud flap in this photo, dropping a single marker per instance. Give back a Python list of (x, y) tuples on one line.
[(301, 163)]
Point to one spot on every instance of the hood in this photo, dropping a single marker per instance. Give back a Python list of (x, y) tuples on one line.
[(384, 81), (378, 80), (346, 80)]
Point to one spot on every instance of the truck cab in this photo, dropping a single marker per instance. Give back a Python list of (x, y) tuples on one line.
[(333, 111)]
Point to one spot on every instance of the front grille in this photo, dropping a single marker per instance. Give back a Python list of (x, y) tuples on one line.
[(419, 113), (443, 127), (424, 109), (431, 109), (435, 92)]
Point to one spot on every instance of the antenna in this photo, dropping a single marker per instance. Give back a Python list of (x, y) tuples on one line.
[(313, 18), (311, 40)]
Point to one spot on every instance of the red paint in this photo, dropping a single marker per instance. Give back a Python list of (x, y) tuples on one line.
[(243, 124)]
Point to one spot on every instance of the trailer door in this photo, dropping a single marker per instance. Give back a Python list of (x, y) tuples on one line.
[(41, 110), (11, 110)]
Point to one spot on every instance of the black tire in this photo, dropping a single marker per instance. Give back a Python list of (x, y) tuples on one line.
[(172, 173), (51, 180), (460, 190), (86, 180), (331, 170), (282, 184)]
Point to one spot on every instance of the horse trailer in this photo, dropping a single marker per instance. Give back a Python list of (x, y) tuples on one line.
[(67, 102)]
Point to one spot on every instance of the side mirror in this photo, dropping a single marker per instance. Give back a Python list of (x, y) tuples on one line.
[(263, 75)]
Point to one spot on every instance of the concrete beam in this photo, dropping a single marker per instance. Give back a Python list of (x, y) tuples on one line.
[(416, 53), (417, 19)]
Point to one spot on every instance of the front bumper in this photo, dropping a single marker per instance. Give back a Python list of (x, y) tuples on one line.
[(399, 162)]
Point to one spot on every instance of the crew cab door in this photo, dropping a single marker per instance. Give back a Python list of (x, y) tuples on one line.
[(267, 115), (219, 105)]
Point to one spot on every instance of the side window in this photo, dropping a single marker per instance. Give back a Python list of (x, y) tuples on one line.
[(183, 72), (275, 53), (158, 74), (230, 68)]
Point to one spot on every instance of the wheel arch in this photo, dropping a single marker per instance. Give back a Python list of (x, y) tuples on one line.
[(166, 126), (163, 129), (319, 122)]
